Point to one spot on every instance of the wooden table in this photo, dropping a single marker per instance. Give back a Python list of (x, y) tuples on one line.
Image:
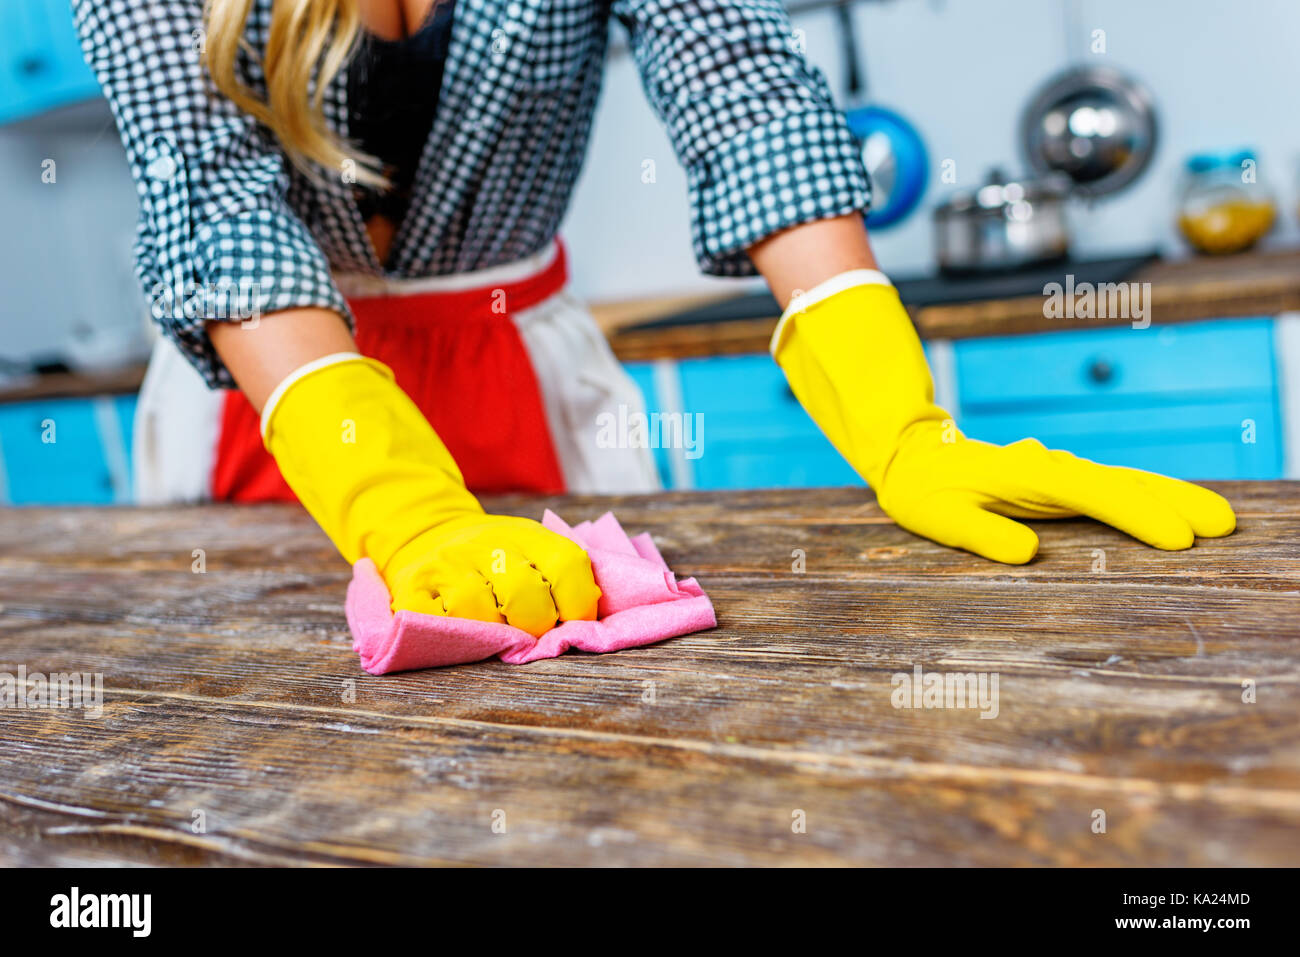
[(238, 728)]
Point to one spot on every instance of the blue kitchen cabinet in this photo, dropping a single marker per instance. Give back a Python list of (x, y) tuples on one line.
[(647, 376), (66, 451), (1197, 400), (754, 433), (41, 65), (1192, 440)]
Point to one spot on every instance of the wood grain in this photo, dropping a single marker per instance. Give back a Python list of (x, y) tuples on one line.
[(235, 693)]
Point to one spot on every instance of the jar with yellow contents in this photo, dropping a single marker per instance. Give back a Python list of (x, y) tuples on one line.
[(1225, 208)]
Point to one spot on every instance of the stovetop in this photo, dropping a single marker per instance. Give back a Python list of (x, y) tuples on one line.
[(933, 290)]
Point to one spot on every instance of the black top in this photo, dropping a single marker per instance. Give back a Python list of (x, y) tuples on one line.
[(393, 90)]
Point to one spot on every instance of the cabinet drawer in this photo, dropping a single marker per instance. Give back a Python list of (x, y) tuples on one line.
[(53, 455), (748, 385), (755, 433), (66, 451), (1236, 439), (792, 461), (1111, 366), (41, 65), (643, 374)]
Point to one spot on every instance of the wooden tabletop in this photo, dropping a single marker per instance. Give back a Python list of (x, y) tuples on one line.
[(237, 726), (1205, 287)]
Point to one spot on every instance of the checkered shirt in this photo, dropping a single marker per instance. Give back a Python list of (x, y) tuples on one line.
[(230, 228)]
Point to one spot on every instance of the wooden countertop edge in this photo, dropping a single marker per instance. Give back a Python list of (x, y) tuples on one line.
[(1248, 285), (72, 385)]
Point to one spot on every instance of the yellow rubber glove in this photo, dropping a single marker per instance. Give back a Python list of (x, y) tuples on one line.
[(370, 469), (853, 359)]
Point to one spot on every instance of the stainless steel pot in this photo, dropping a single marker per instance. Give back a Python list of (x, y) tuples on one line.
[(1002, 225)]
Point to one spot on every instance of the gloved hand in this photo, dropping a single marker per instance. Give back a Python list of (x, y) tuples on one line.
[(854, 361), (370, 469)]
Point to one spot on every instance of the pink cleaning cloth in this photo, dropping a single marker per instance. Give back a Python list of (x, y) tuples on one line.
[(642, 602)]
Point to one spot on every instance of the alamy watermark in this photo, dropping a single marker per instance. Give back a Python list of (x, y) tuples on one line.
[(946, 689), (32, 690), (658, 430), (223, 300), (133, 912), (1103, 300)]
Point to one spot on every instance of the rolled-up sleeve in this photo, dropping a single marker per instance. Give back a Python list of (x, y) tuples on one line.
[(217, 239), (753, 123)]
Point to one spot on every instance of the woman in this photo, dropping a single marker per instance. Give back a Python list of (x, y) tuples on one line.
[(377, 184)]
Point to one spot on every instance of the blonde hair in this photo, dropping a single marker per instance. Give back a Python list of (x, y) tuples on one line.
[(309, 39)]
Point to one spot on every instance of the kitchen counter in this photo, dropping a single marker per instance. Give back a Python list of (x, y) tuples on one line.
[(73, 385), (238, 727), (1207, 287), (1250, 284)]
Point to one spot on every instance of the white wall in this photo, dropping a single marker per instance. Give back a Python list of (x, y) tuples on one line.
[(67, 286), (1223, 74)]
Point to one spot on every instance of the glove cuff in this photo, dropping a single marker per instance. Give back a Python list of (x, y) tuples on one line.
[(363, 459), (820, 293), (300, 373)]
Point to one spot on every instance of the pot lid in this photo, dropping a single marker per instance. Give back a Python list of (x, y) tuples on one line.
[(1093, 124), (999, 192)]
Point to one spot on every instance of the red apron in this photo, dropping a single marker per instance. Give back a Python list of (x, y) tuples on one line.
[(461, 360)]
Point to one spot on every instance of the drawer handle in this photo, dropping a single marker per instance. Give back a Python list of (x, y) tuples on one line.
[(33, 65), (1100, 371)]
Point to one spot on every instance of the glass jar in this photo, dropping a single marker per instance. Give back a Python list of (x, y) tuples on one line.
[(1224, 207)]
